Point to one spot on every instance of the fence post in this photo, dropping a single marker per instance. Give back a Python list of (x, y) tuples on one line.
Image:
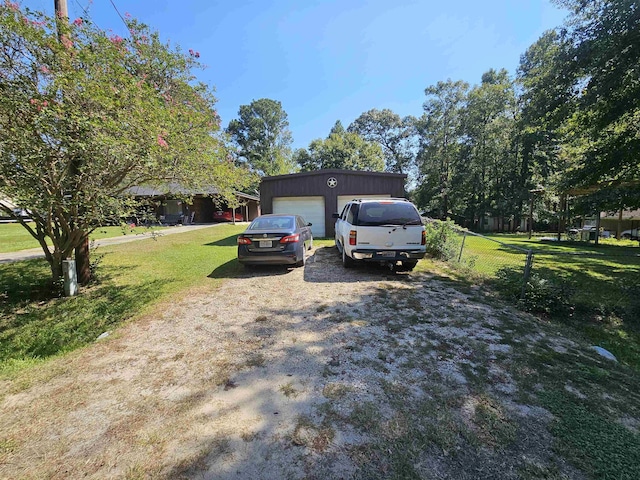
[(527, 272), (462, 247)]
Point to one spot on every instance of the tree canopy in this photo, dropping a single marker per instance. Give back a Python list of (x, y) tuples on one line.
[(601, 56), (262, 137), (394, 134), (566, 125), (342, 150), (85, 115)]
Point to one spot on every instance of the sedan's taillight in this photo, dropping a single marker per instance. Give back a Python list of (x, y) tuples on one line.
[(424, 238), (244, 241), (353, 237), (290, 239)]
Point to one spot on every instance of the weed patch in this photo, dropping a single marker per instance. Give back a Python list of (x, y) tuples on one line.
[(599, 446), (289, 391)]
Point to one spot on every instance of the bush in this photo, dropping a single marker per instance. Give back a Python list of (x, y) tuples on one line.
[(549, 295), (443, 240)]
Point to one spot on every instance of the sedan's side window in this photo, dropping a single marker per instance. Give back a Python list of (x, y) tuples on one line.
[(299, 222)]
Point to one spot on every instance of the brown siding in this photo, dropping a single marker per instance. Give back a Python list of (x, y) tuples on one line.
[(203, 206), (315, 183)]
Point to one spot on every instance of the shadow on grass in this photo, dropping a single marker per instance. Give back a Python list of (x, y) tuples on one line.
[(34, 323), (229, 241), (27, 281)]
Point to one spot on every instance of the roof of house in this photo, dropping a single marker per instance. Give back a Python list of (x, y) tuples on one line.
[(175, 189), (7, 203), (626, 215)]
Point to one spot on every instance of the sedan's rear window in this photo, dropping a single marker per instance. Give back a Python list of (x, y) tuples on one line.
[(272, 223), (384, 213)]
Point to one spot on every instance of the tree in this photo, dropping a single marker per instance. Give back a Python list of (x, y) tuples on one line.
[(439, 145), (488, 138), (546, 101), (394, 134), (601, 39), (262, 137), (85, 118), (342, 150)]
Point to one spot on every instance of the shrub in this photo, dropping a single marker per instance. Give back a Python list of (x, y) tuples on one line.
[(546, 294), (443, 239)]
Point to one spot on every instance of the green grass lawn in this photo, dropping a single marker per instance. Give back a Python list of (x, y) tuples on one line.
[(14, 237), (603, 281), (601, 275), (132, 278)]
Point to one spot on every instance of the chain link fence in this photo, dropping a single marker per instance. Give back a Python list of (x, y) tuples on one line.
[(478, 253), (488, 256), (568, 276)]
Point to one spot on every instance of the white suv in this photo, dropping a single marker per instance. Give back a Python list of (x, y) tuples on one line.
[(389, 231)]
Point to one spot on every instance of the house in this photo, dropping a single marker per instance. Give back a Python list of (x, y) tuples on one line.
[(7, 203), (170, 207), (620, 221), (319, 194)]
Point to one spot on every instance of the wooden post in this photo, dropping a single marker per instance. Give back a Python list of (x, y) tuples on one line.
[(562, 220), (462, 246), (597, 227), (527, 273), (531, 215), (619, 228)]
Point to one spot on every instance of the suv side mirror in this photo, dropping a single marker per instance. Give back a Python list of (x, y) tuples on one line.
[(309, 224), (335, 215)]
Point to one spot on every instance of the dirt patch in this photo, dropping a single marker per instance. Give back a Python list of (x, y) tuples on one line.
[(318, 372)]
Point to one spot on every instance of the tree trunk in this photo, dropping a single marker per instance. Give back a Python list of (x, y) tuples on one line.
[(83, 265), (55, 262)]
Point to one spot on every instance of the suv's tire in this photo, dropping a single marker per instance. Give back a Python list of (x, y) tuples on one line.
[(408, 266), (347, 261)]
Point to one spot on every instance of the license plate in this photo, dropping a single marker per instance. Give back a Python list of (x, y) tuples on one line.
[(388, 254), (265, 243)]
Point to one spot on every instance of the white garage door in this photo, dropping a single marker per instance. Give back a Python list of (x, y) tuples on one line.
[(344, 199), (311, 209)]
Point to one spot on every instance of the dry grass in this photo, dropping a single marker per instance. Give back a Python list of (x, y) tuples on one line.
[(394, 389)]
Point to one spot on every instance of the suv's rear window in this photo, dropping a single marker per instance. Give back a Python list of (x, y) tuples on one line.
[(382, 213)]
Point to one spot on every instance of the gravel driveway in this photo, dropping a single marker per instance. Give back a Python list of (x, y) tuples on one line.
[(315, 372)]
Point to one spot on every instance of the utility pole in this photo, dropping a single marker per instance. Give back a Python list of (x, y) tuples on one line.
[(62, 15), (82, 250), (68, 265), (61, 9)]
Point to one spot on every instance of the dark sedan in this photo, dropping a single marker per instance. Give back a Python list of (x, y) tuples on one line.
[(275, 240)]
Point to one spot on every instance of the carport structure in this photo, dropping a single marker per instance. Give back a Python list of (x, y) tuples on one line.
[(317, 195)]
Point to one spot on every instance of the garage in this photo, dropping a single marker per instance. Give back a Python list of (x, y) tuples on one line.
[(317, 195), (312, 209)]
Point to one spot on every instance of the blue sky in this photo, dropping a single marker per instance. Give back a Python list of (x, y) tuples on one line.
[(329, 60)]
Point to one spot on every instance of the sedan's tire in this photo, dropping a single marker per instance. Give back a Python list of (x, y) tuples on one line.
[(302, 262), (347, 261)]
